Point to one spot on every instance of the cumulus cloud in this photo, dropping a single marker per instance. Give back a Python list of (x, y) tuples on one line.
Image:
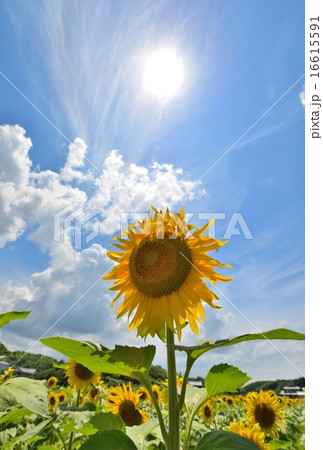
[(75, 160), (32, 198)]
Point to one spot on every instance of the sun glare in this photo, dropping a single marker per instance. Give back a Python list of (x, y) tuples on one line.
[(163, 74)]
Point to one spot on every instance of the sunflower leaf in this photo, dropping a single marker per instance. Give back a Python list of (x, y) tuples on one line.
[(106, 440), (32, 394), (132, 362), (196, 351), (107, 421), (224, 440), (224, 378), (12, 315)]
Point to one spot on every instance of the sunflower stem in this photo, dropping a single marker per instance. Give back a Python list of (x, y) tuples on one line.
[(173, 413), (70, 443), (189, 365), (158, 411)]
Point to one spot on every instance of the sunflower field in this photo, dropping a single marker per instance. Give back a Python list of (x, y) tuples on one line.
[(160, 272)]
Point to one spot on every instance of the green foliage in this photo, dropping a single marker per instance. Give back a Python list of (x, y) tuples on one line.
[(275, 386), (32, 394), (157, 373), (5, 318), (224, 440), (133, 362), (107, 440), (198, 350), (224, 378)]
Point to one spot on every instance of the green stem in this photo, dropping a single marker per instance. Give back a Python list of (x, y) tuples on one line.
[(70, 443), (189, 365), (158, 411), (190, 423), (173, 413)]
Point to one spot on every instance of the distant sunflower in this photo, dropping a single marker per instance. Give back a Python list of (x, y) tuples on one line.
[(93, 395), (179, 381), (80, 377), (123, 401), (62, 397), (229, 401), (6, 375), (207, 413), (254, 434), (264, 409), (156, 391), (160, 269), (52, 382), (52, 400), (143, 394)]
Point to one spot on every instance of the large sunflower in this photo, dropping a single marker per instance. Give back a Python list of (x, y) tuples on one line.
[(264, 409), (123, 401), (160, 269), (254, 434), (80, 377)]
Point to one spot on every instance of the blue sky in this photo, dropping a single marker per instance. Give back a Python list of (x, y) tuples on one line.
[(81, 64)]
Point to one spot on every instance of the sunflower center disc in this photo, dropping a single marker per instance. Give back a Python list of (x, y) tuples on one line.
[(160, 266), (129, 414), (52, 401), (207, 412), (82, 372), (265, 415)]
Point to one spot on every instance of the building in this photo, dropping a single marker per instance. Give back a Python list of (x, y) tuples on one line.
[(292, 392), (19, 371)]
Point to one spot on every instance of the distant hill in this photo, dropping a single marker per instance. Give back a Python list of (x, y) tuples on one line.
[(272, 385)]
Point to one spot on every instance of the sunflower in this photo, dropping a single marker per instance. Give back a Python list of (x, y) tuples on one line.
[(52, 382), (143, 394), (6, 375), (156, 391), (254, 434), (93, 395), (123, 401), (62, 397), (52, 400), (80, 377), (179, 381), (160, 269), (206, 412), (229, 401), (264, 409)]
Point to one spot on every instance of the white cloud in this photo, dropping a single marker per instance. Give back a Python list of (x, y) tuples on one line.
[(32, 198), (302, 97), (75, 160)]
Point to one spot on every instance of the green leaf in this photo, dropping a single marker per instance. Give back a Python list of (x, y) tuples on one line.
[(138, 433), (193, 396), (107, 421), (225, 440), (32, 394), (12, 315), (14, 415), (206, 345), (30, 434), (60, 366), (224, 378), (107, 440), (277, 444), (132, 362)]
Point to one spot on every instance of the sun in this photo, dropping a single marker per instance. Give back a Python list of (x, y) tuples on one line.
[(163, 75)]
